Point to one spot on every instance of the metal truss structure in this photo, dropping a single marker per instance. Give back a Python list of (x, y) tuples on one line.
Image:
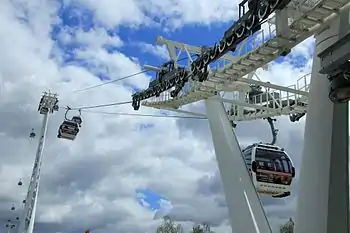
[(48, 105), (323, 201)]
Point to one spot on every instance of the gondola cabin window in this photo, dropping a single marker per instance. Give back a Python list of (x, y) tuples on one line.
[(273, 167), (247, 155)]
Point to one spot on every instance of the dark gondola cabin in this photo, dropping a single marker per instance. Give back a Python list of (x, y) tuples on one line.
[(32, 134), (271, 169), (69, 129)]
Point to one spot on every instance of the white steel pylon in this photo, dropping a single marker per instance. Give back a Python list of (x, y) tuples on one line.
[(48, 105), (245, 209), (323, 199)]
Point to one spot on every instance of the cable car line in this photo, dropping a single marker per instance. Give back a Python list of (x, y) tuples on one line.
[(145, 115), (70, 128), (111, 81), (99, 106), (120, 79)]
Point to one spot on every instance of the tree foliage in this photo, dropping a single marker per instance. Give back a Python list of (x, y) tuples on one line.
[(288, 227), (169, 226), (201, 228)]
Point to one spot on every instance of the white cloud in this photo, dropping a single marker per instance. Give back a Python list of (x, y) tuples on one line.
[(165, 208), (114, 13), (54, 213), (158, 50), (95, 38), (90, 183), (177, 13), (169, 12)]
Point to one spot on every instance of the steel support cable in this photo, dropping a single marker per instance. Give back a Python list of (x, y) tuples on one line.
[(119, 79), (111, 81), (98, 106), (105, 83), (144, 115), (116, 80)]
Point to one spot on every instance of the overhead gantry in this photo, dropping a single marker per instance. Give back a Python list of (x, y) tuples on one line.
[(272, 100)]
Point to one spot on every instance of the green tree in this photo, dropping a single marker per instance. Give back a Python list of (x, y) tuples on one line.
[(201, 228), (169, 226), (197, 229), (288, 227)]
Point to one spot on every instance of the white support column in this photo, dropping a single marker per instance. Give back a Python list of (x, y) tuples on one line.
[(323, 199), (245, 210), (27, 223), (48, 105), (39, 158)]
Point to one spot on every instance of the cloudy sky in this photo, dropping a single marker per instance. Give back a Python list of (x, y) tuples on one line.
[(65, 45)]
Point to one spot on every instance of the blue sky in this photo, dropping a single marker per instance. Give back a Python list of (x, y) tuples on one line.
[(149, 199), (74, 17)]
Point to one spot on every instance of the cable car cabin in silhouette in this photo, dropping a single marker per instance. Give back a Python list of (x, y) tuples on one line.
[(270, 167), (69, 129), (32, 134)]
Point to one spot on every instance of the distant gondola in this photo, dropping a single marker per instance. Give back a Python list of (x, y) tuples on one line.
[(69, 129)]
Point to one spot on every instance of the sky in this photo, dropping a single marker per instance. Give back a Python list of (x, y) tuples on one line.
[(93, 182), (149, 199)]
